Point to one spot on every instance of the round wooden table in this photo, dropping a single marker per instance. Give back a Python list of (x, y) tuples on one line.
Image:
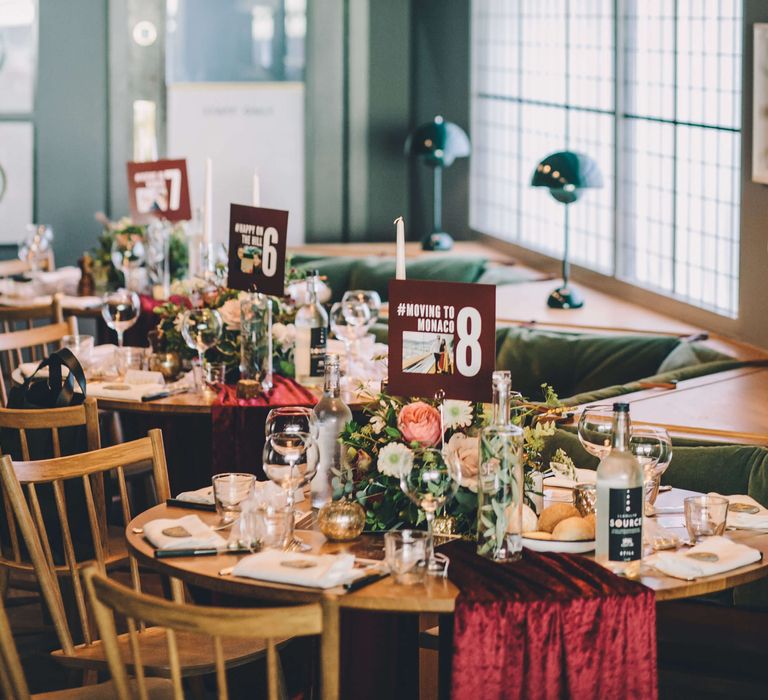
[(437, 595)]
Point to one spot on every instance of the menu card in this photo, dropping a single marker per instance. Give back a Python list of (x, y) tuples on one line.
[(442, 336), (257, 242), (158, 189)]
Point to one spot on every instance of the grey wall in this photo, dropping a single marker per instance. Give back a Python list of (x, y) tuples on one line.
[(71, 124), (440, 85)]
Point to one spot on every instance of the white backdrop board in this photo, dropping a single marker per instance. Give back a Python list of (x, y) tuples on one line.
[(244, 128), (16, 180)]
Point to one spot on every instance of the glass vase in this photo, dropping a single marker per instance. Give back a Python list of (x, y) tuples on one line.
[(500, 491), (256, 339)]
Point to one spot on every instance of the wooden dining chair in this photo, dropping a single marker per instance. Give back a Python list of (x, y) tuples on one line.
[(13, 682), (19, 318), (24, 433), (213, 624), (29, 345), (89, 655)]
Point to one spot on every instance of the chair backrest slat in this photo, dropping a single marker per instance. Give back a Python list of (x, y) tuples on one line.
[(12, 681), (13, 536), (221, 671), (56, 443), (173, 660), (80, 473), (133, 640), (71, 559), (109, 598)]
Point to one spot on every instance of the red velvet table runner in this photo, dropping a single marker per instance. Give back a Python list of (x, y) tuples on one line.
[(238, 424), (549, 626)]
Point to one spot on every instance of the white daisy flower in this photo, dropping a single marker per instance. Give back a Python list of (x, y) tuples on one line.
[(395, 459), (457, 414)]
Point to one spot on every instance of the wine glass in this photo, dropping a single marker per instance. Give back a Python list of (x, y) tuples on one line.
[(120, 310), (128, 254), (37, 245), (652, 447), (201, 329), (430, 483), (596, 430), (290, 460), (369, 297), (291, 419)]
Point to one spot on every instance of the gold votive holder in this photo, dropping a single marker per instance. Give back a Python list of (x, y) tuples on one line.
[(585, 498), (248, 389)]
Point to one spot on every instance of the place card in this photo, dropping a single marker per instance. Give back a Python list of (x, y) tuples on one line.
[(442, 336), (158, 189), (257, 241)]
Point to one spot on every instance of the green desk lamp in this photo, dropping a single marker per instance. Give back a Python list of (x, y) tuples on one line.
[(566, 173), (438, 143)]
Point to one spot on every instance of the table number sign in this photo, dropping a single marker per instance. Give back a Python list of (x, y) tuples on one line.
[(257, 239), (158, 188), (442, 335)]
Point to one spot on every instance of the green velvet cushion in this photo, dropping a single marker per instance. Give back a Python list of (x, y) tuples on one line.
[(375, 273), (507, 274), (572, 363)]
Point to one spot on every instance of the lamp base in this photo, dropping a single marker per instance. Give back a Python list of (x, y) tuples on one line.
[(565, 298), (437, 240)]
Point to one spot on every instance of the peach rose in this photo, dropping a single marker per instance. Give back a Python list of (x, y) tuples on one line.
[(420, 422), (465, 451)]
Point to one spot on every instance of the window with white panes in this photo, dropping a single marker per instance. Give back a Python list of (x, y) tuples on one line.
[(650, 89)]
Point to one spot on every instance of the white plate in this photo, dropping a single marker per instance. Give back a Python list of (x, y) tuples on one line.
[(559, 546)]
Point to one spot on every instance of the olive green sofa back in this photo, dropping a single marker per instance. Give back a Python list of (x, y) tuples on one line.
[(705, 467), (374, 272), (583, 367)]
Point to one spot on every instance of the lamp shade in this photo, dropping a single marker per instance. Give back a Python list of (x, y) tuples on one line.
[(438, 143), (565, 173)]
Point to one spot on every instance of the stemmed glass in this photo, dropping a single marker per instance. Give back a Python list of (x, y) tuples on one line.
[(350, 321), (652, 447), (430, 483), (369, 297), (120, 310), (290, 460), (596, 430), (291, 419), (201, 329), (128, 254)]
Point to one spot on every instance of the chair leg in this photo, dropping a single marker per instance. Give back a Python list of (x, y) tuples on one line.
[(5, 576)]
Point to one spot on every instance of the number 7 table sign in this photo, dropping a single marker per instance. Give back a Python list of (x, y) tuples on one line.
[(257, 242), (158, 189), (442, 336)]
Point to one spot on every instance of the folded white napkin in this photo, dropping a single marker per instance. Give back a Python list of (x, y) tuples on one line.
[(746, 521), (312, 570), (201, 536), (63, 279), (203, 495), (121, 390), (730, 555), (584, 476), (267, 494), (69, 301)]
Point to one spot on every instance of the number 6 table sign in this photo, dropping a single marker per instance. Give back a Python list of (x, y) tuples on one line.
[(257, 239), (158, 189), (442, 335)]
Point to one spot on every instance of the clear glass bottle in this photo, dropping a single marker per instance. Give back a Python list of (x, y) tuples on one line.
[(500, 484), (311, 336), (256, 339), (619, 507), (332, 414)]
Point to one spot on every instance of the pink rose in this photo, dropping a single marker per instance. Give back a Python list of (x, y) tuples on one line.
[(465, 451), (420, 422)]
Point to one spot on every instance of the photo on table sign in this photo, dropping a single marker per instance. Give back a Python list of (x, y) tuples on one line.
[(442, 338), (158, 189), (257, 243), (428, 353)]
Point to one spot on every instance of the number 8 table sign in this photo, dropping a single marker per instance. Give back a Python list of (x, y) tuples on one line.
[(441, 338)]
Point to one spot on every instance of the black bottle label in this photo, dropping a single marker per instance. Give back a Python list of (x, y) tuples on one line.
[(318, 340), (625, 524)]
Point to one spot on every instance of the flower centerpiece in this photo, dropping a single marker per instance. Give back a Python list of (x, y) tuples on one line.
[(380, 450)]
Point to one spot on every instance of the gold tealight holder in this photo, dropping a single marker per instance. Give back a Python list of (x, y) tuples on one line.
[(585, 498)]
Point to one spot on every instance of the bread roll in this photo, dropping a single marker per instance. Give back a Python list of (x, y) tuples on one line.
[(591, 520), (573, 530), (530, 521), (537, 535), (553, 514)]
